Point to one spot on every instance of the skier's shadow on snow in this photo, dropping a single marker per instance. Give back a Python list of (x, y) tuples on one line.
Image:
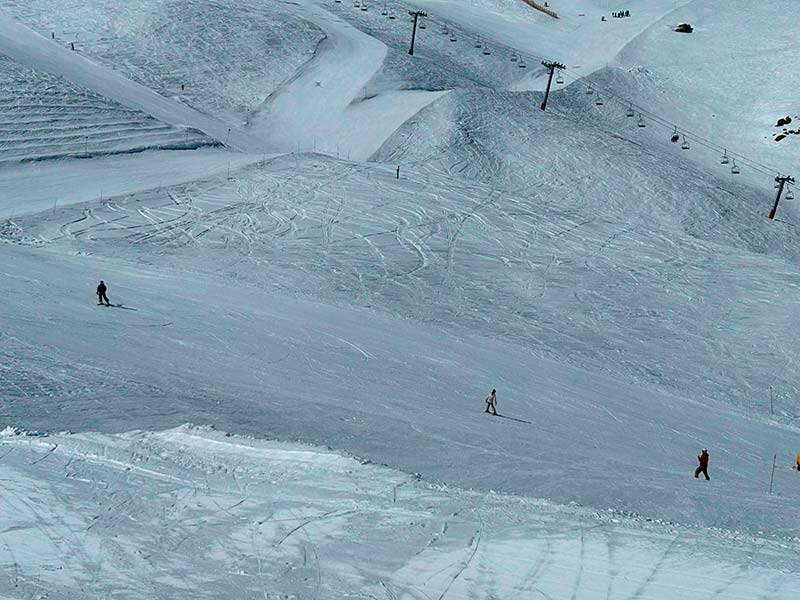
[(515, 419), (122, 306)]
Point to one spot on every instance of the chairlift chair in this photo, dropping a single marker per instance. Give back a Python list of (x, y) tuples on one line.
[(685, 144), (630, 112), (559, 79), (514, 57), (391, 14), (522, 64), (789, 194), (725, 160), (363, 7), (599, 101), (477, 43), (641, 122), (422, 24), (385, 11), (735, 168), (486, 51), (453, 37), (356, 4), (444, 30)]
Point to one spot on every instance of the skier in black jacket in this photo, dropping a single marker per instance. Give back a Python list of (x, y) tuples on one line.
[(101, 294)]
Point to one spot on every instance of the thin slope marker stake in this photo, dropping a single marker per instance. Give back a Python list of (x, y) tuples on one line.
[(772, 476)]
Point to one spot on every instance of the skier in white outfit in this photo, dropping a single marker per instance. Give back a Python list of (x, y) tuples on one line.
[(491, 403)]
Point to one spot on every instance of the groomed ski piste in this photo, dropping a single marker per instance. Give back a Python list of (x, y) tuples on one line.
[(322, 254)]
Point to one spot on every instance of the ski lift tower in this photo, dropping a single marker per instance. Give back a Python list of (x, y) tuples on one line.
[(780, 182), (416, 14), (551, 66)]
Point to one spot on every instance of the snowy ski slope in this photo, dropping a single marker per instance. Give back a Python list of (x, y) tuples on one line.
[(190, 512), (740, 79), (332, 290), (627, 298)]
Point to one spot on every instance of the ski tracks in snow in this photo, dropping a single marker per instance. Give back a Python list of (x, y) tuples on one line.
[(161, 507)]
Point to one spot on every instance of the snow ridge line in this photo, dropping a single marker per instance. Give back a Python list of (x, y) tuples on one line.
[(22, 44)]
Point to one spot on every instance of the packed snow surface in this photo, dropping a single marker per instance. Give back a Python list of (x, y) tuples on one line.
[(193, 513), (368, 245), (341, 306)]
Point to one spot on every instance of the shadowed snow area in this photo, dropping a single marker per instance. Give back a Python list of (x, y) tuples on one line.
[(32, 50), (376, 241), (228, 55), (46, 118)]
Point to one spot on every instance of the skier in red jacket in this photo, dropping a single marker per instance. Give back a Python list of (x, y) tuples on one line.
[(703, 466)]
